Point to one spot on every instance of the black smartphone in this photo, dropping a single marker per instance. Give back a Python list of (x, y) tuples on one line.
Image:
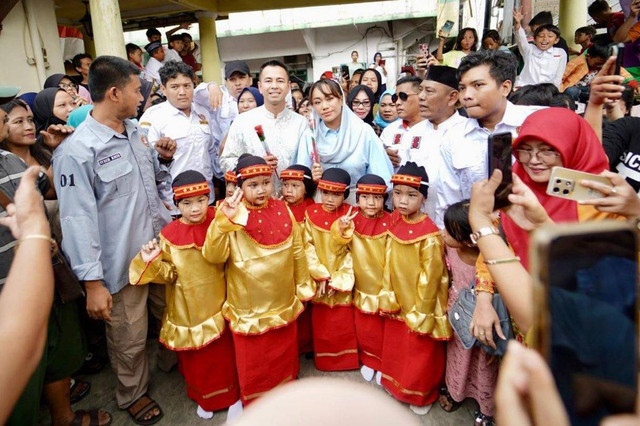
[(499, 157), (618, 51), (586, 311)]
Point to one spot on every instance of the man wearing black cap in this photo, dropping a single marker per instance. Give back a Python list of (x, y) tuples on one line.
[(437, 101), (237, 76), (156, 56)]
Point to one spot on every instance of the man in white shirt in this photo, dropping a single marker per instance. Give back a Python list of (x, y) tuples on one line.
[(402, 136), (282, 129), (182, 121), (543, 63), (438, 101), (486, 79), (237, 77), (156, 57)]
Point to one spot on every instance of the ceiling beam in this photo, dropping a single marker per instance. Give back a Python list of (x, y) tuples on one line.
[(208, 5), (228, 6)]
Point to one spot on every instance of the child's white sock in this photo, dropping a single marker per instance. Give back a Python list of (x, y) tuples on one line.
[(204, 414), (367, 373), (420, 410), (379, 378), (235, 411)]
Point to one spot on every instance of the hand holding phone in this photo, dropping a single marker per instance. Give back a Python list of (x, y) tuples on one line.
[(617, 50)]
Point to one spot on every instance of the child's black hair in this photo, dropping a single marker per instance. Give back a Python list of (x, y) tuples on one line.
[(588, 30), (548, 27), (456, 222)]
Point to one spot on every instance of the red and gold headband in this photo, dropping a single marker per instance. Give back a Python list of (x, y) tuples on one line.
[(230, 176), (414, 181), (190, 190), (327, 185), (371, 188), (255, 170), (293, 174)]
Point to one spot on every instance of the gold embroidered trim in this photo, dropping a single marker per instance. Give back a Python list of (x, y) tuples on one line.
[(345, 352)]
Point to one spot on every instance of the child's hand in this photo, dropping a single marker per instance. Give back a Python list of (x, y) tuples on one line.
[(518, 16), (344, 223), (230, 204), (316, 172), (150, 250), (322, 287)]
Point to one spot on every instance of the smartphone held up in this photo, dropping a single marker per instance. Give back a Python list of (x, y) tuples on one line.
[(499, 157)]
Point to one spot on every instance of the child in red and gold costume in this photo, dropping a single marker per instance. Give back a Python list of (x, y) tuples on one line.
[(413, 356), (366, 237), (297, 191), (267, 278), (192, 324), (334, 336)]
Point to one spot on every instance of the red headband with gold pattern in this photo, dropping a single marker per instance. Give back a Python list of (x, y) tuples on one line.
[(409, 180), (293, 174), (230, 176), (255, 170), (371, 188), (190, 190), (329, 186)]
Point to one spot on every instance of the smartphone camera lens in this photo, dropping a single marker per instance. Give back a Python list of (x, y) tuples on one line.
[(565, 191), (556, 189)]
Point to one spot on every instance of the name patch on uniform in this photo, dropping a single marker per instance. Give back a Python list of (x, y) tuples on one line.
[(397, 138), (109, 159), (415, 143)]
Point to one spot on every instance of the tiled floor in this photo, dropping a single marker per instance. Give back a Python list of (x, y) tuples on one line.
[(169, 390)]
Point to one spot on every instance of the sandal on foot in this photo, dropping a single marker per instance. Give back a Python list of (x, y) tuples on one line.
[(143, 406), (451, 404), (483, 420), (80, 416), (79, 389)]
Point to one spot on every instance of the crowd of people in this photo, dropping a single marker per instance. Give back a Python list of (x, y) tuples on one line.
[(339, 219)]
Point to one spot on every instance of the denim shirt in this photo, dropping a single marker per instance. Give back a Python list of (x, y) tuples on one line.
[(108, 187)]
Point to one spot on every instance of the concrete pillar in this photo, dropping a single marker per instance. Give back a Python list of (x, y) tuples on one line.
[(108, 35), (89, 45), (30, 7), (209, 47), (573, 15)]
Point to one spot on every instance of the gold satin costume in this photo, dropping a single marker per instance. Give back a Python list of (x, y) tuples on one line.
[(366, 239), (266, 267), (326, 259), (193, 314), (418, 275)]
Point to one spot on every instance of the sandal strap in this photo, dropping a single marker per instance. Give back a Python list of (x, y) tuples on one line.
[(141, 407)]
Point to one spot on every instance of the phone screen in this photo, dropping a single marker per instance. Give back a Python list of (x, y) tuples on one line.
[(592, 321), (447, 27), (499, 156)]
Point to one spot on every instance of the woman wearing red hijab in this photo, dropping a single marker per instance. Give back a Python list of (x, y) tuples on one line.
[(549, 137)]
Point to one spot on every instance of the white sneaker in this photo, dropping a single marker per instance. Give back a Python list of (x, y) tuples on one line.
[(235, 411), (420, 410), (379, 378), (367, 372), (204, 414)]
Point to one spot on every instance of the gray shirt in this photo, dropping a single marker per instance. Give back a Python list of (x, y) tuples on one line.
[(107, 184), (11, 170)]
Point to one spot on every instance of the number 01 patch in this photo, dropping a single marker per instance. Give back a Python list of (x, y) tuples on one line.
[(67, 180)]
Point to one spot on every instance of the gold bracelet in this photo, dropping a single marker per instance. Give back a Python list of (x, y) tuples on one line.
[(501, 261), (54, 243)]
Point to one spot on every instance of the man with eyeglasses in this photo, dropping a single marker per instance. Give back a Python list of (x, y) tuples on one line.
[(402, 136)]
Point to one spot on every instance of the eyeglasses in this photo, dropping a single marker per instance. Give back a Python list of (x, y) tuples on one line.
[(66, 86), (547, 156), (402, 96), (357, 104)]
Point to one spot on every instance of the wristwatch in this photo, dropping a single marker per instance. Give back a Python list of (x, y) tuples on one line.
[(164, 162), (483, 232)]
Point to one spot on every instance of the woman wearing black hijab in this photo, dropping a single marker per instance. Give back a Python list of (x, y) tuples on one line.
[(372, 78), (79, 94), (52, 106), (361, 101)]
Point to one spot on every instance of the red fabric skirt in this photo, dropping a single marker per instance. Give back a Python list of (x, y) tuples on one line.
[(210, 373), (334, 338), (412, 365), (369, 332), (265, 361), (305, 339)]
